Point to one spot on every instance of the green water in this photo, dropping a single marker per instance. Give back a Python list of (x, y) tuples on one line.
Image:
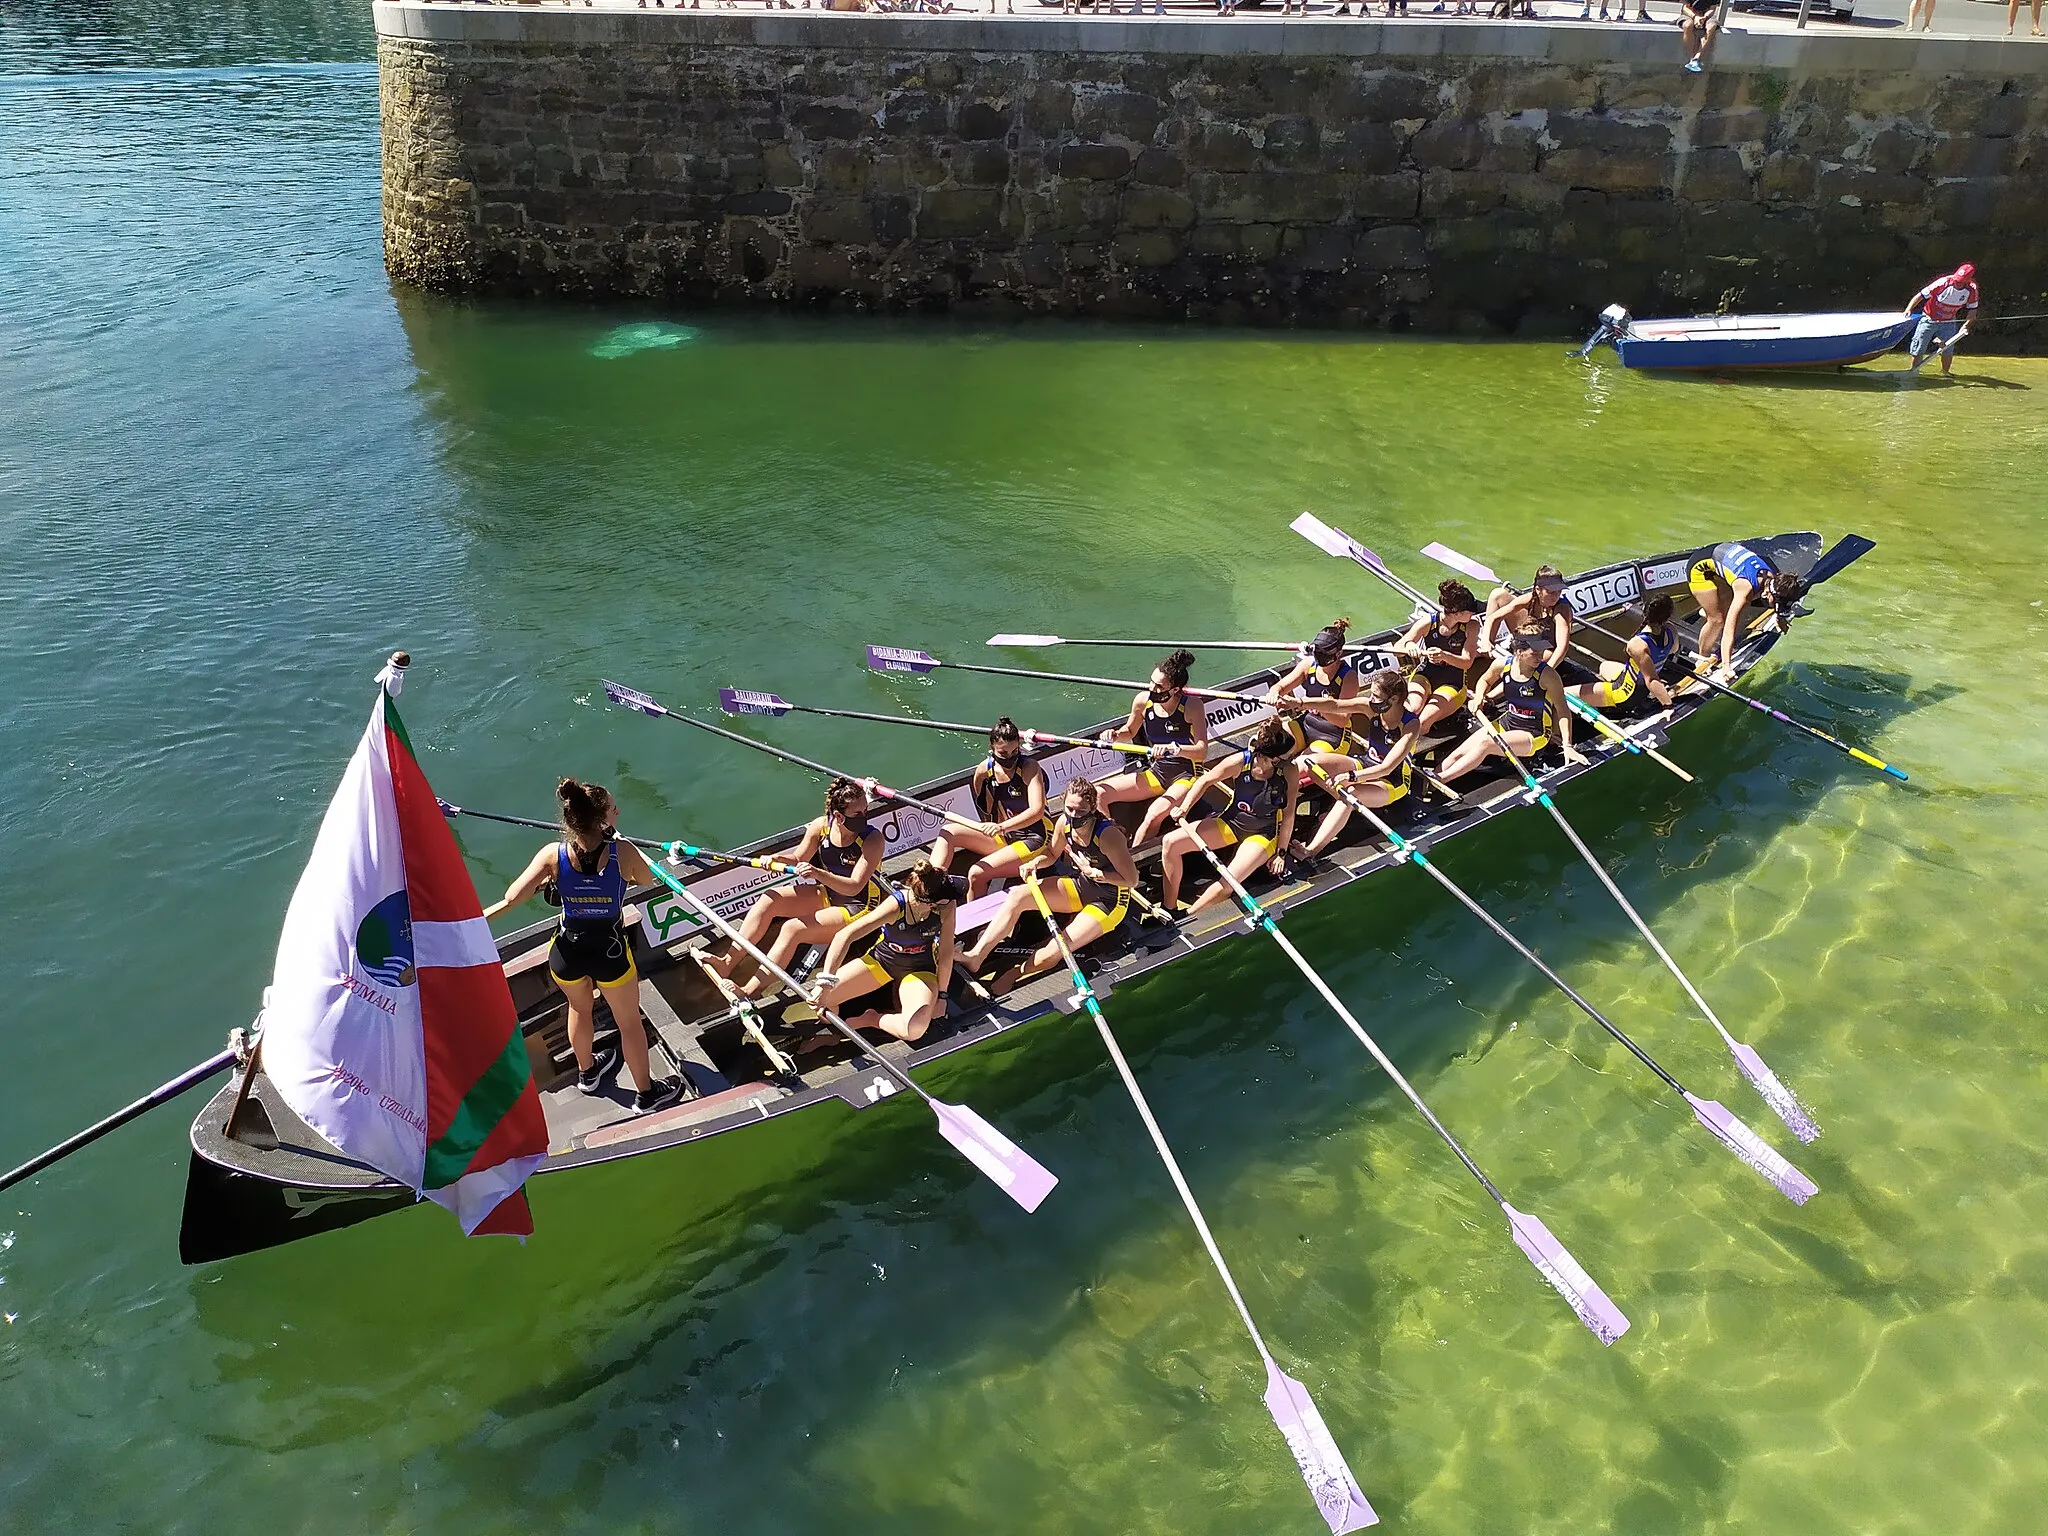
[(236, 468)]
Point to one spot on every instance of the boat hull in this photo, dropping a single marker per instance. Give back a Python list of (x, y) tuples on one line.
[(1721, 343), (240, 1198)]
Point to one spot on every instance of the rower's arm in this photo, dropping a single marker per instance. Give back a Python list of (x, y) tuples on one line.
[(1046, 856), (1034, 802), (1560, 711), (942, 952), (1292, 782), (1397, 754), (1484, 686), (530, 880), (633, 865), (1562, 622), (1498, 603), (1739, 593), (1639, 653), (1465, 656), (1411, 640), (855, 881), (1128, 731), (1288, 681), (1208, 781), (1117, 849), (844, 940)]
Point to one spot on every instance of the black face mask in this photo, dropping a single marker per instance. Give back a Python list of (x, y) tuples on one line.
[(1157, 694), (1007, 762)]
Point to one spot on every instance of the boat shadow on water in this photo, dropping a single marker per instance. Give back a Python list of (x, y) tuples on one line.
[(750, 1309)]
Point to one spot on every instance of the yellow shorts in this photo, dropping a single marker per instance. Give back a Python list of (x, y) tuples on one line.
[(1455, 692), (848, 910), (1109, 916), (1149, 777), (882, 977), (1704, 575), (1615, 691), (1397, 789), (1259, 840)]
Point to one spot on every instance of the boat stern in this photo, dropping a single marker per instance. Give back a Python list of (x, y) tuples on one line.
[(1613, 326)]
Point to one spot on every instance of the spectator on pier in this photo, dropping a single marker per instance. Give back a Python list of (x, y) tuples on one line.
[(1699, 23), (2012, 16), (1945, 307), (1920, 14)]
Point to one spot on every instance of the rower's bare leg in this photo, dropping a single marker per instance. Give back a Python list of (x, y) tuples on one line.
[(1243, 863), (1156, 814), (754, 926), (916, 1003), (960, 840), (1002, 864), (999, 928), (1466, 756), (1713, 617), (795, 934), (1174, 849), (1079, 934), (624, 1002), (1439, 708), (581, 1025), (1123, 789)]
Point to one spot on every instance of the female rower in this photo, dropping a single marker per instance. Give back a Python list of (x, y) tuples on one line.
[(590, 953), (1376, 772), (1325, 673), (1532, 706), (1446, 644), (1093, 874), (1544, 606), (1258, 823), (1725, 582), (1009, 791), (836, 863), (1641, 672), (1163, 716), (915, 952)]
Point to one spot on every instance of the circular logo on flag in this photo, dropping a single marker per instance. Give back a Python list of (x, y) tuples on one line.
[(384, 942)]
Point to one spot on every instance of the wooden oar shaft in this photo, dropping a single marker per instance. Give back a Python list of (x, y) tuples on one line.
[(190, 1078), (1095, 682), (956, 727), (690, 850)]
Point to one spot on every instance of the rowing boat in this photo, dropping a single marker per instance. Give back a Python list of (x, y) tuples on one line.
[(281, 1182), (1725, 342)]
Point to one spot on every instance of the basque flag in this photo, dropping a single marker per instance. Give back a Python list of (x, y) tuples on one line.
[(389, 1027)]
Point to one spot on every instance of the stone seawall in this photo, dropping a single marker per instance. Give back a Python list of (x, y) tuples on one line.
[(1326, 172)]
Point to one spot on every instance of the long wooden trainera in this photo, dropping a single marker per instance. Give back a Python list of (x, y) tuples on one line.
[(242, 1196)]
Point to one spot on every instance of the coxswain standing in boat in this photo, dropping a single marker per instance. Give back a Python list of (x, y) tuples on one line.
[(837, 863), (1176, 727), (915, 952), (590, 954), (1009, 791), (1544, 606), (1946, 307), (1376, 766), (1324, 673), (1092, 873), (1258, 823), (1532, 708), (1725, 583), (1445, 644), (1641, 674)]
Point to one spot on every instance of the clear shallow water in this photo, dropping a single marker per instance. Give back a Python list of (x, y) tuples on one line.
[(235, 469)]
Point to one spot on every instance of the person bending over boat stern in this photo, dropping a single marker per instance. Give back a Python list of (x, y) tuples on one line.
[(1176, 727), (836, 862), (1325, 673), (1092, 874), (1532, 708), (592, 871), (1258, 823), (1946, 307), (1445, 645), (915, 952), (1641, 674), (1009, 792), (1725, 582)]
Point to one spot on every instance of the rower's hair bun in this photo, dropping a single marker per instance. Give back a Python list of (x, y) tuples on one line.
[(1176, 667), (583, 805), (928, 882), (1341, 625), (1274, 740)]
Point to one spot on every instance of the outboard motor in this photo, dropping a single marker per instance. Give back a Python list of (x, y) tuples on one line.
[(1613, 326)]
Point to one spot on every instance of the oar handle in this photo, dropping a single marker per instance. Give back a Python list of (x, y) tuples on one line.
[(190, 1078)]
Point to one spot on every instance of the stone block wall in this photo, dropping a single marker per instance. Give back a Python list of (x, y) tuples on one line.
[(854, 160)]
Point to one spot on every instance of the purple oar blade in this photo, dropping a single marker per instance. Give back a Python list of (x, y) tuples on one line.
[(1443, 554), (895, 658), (1323, 1467), (1013, 1169), (1564, 1272), (632, 698), (1783, 1101), (1754, 1150), (745, 701)]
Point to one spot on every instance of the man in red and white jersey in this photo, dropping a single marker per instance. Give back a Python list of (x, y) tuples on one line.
[(1945, 307)]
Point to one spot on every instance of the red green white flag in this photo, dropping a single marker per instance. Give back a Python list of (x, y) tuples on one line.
[(389, 1027)]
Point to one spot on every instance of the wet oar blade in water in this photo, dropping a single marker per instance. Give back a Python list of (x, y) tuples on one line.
[(1330, 1483), (1013, 1170), (1754, 1150), (1555, 1263), (1771, 1089), (745, 701), (895, 658)]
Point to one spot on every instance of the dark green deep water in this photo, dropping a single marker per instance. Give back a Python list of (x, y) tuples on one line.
[(236, 468)]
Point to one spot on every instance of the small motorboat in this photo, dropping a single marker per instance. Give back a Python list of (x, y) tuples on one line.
[(1750, 341)]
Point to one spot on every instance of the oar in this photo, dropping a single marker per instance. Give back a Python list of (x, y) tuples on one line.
[(1535, 1240), (1740, 1139), (1336, 1492), (674, 850), (1042, 642), (190, 1078), (646, 704), (1471, 567), (745, 701), (896, 658), (1012, 1169)]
